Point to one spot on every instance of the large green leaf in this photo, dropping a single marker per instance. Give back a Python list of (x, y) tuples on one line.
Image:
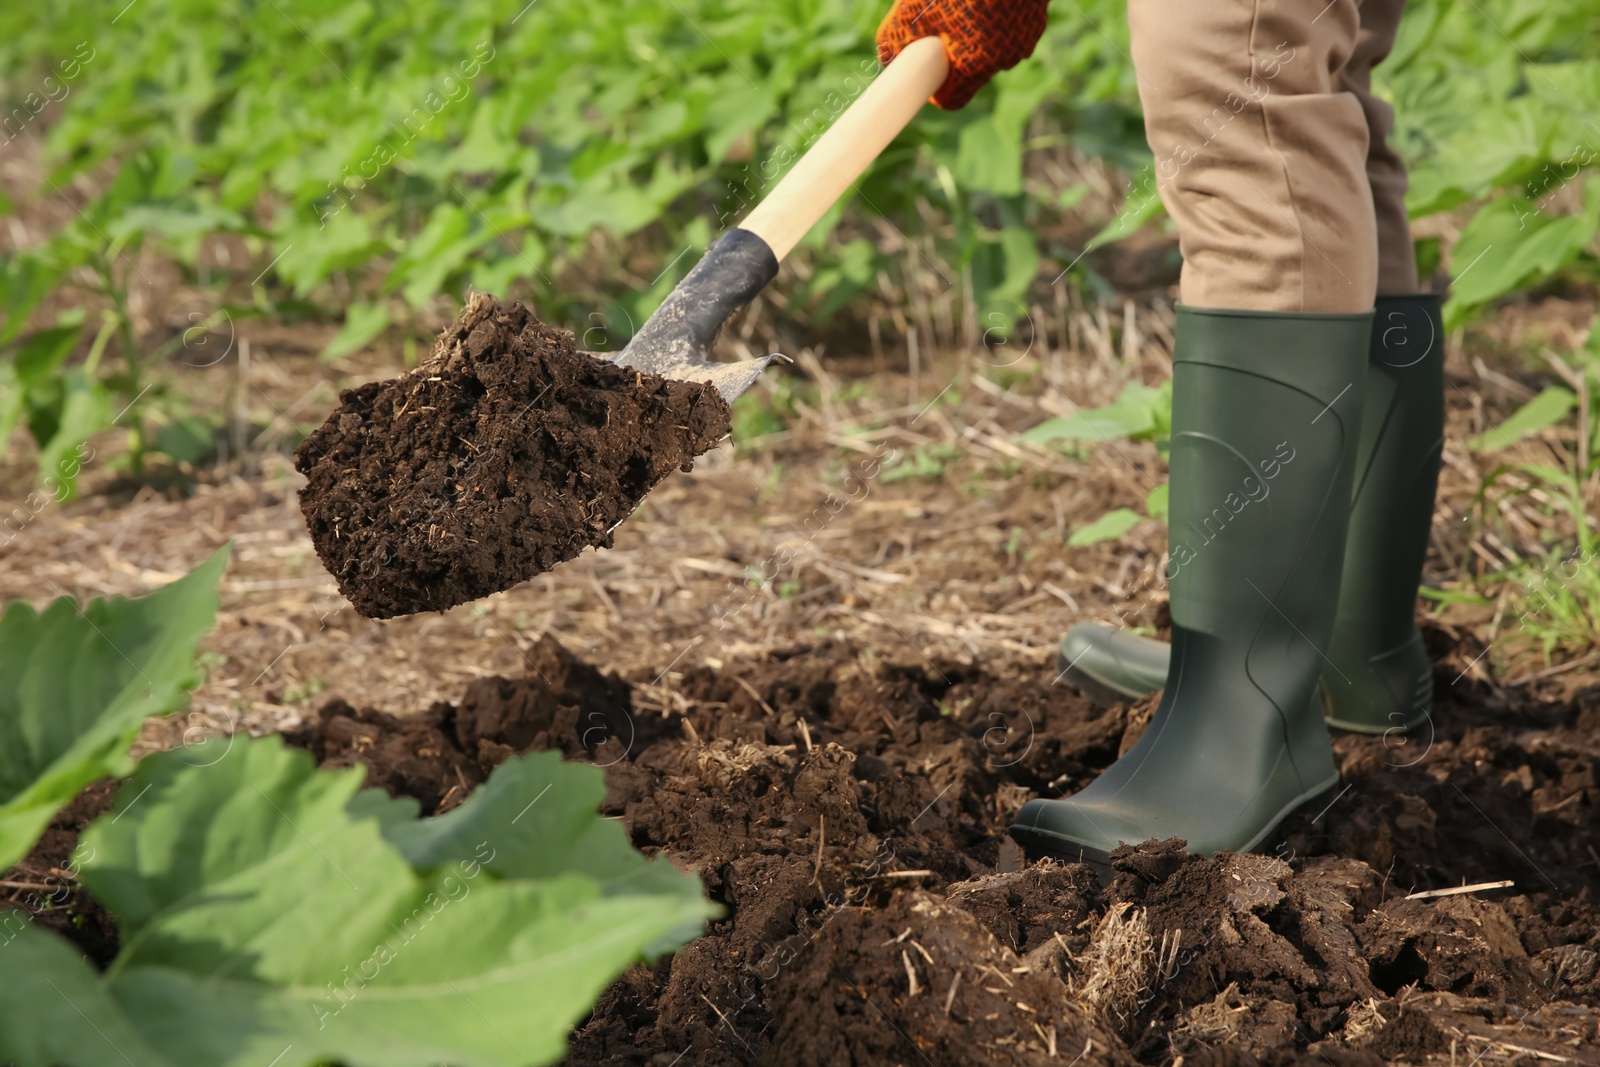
[(69, 1018), (1510, 244), (535, 838), (76, 683), (268, 916), (1500, 143)]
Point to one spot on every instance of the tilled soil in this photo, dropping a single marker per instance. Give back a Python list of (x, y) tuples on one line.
[(505, 453), (43, 889), (850, 814)]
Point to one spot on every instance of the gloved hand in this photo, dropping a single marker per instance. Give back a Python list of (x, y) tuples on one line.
[(981, 37)]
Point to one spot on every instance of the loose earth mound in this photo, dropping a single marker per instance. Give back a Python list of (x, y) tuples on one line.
[(850, 816), (505, 453)]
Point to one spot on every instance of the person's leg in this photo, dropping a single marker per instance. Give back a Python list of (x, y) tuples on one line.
[(1260, 152), (1260, 159), (1378, 678), (1386, 171)]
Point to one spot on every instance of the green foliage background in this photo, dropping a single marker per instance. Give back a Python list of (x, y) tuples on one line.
[(378, 155)]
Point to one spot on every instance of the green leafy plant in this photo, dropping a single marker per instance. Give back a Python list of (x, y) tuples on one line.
[(371, 158), (62, 406), (94, 255), (1557, 605), (925, 463), (1495, 107), (1140, 413), (1510, 244), (1118, 521), (1560, 588), (77, 682), (269, 911)]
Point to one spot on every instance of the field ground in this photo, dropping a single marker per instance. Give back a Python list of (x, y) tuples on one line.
[(839, 746)]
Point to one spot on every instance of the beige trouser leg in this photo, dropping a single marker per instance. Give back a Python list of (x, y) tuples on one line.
[(1386, 172), (1258, 112)]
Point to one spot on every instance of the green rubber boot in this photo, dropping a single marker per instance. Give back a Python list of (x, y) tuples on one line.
[(1109, 665), (1380, 678), (1265, 416), (1377, 678)]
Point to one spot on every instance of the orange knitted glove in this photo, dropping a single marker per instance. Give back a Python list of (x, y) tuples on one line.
[(981, 37)]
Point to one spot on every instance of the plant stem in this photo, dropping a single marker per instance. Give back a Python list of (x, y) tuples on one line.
[(108, 326), (130, 355)]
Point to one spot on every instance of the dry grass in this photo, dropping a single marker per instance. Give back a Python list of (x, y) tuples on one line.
[(1117, 968)]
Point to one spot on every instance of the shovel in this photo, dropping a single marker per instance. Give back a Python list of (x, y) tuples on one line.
[(416, 534), (675, 341)]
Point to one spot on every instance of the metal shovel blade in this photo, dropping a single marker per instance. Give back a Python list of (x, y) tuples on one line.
[(730, 379), (675, 342)]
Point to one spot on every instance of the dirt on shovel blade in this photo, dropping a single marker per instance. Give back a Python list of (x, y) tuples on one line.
[(507, 452)]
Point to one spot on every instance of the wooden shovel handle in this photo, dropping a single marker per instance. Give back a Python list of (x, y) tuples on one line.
[(848, 147)]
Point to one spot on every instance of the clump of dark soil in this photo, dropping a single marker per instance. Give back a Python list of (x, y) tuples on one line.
[(44, 890), (922, 973), (850, 816), (505, 453), (441, 754)]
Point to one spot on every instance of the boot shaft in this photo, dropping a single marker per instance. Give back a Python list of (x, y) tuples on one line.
[(1265, 420)]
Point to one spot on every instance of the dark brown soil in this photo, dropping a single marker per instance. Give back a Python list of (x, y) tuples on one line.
[(877, 914), (440, 755), (850, 814), (505, 453), (43, 889)]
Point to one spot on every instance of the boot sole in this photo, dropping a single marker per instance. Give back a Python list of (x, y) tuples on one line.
[(1043, 843), (1038, 842)]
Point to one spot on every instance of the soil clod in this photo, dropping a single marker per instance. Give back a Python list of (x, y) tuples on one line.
[(505, 453)]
